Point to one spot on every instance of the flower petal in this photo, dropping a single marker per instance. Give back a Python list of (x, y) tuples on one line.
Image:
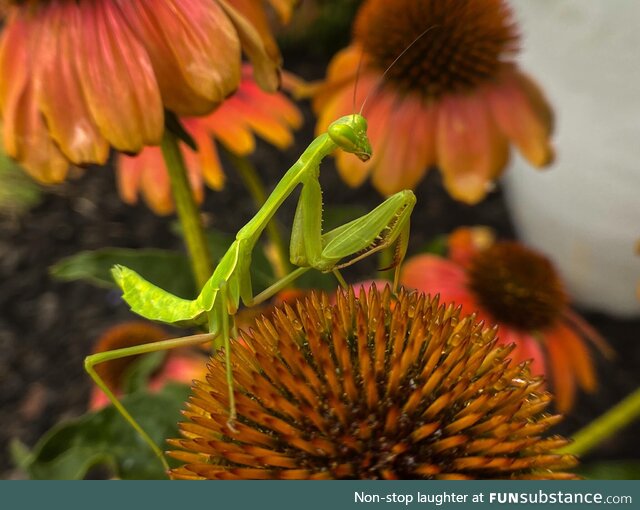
[(209, 161), (193, 48), (341, 72), (129, 174), (528, 348), (266, 62), (155, 185), (524, 116), (471, 151), (34, 150), (58, 90), (14, 62), (435, 275), (563, 378), (410, 148), (117, 78), (581, 363)]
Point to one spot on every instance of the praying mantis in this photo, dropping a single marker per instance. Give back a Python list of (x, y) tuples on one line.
[(230, 284)]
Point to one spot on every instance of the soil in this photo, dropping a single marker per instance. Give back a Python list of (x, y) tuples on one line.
[(47, 327)]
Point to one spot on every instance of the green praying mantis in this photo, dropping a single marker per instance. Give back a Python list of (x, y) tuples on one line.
[(386, 226)]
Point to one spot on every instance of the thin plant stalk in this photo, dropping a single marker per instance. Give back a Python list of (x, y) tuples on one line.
[(619, 416), (187, 209)]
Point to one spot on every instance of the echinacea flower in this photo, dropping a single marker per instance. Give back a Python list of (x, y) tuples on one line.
[(249, 110), (179, 365), (518, 289), (454, 98), (79, 77), (370, 388)]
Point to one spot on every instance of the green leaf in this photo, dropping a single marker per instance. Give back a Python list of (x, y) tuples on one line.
[(611, 470), (104, 438), (167, 269)]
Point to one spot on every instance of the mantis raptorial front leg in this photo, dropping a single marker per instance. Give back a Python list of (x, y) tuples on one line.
[(387, 225)]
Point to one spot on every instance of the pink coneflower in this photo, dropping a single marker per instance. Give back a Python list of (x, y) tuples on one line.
[(79, 77), (455, 99), (249, 110), (508, 284)]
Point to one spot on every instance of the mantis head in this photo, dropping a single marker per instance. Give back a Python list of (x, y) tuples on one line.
[(350, 134)]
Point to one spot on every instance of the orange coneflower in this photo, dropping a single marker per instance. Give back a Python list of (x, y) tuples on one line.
[(79, 77), (455, 99), (371, 387), (250, 109), (518, 289)]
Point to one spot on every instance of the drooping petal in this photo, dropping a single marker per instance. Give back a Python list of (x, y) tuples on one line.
[(209, 160), (410, 149), (35, 151), (471, 151), (265, 60), (14, 62), (563, 378), (580, 359), (58, 90), (523, 115), (117, 79), (232, 131), (263, 123), (155, 185), (193, 48), (129, 174)]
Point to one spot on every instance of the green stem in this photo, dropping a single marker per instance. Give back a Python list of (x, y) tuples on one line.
[(256, 189), (188, 211), (619, 416)]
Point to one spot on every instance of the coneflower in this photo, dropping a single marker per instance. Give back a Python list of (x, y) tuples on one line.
[(373, 387), (518, 289), (455, 99)]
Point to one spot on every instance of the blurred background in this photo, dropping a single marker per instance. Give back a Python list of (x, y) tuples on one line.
[(583, 212)]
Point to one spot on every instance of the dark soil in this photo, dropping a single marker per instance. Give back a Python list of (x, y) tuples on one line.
[(47, 327)]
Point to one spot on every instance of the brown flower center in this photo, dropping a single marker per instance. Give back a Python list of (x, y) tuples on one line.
[(517, 286), (469, 41)]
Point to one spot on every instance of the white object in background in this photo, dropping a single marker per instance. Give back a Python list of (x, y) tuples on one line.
[(584, 211)]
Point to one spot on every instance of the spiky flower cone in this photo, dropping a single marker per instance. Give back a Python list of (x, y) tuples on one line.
[(371, 387)]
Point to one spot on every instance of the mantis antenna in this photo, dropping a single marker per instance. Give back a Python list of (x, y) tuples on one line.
[(395, 61)]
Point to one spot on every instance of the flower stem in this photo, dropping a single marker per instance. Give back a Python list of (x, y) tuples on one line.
[(280, 255), (188, 212), (614, 419)]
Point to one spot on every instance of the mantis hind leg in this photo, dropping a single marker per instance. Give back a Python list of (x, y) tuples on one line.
[(95, 359)]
